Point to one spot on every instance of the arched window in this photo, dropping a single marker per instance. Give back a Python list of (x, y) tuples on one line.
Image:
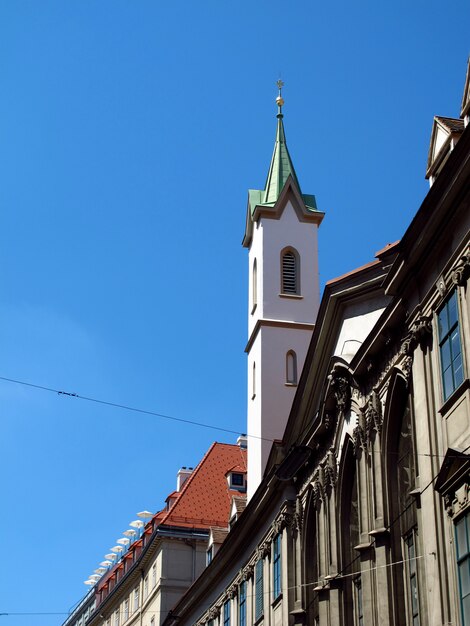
[(254, 286), (402, 471), (291, 368), (290, 272), (253, 381), (350, 533)]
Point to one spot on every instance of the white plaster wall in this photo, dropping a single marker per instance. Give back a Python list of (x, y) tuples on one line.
[(359, 319), (441, 137), (256, 252), (277, 235), (270, 237), (269, 410)]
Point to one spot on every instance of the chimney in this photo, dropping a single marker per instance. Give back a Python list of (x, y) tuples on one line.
[(182, 476), (242, 441)]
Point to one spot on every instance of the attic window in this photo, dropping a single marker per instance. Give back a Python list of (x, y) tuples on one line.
[(237, 481), (290, 283)]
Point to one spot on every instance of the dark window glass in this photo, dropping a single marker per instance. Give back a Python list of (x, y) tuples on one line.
[(259, 592), (450, 347), (277, 567), (242, 605), (462, 531), (227, 613)]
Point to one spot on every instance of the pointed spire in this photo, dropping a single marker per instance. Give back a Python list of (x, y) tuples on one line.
[(281, 164)]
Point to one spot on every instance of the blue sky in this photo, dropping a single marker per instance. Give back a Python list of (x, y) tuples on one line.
[(129, 135)]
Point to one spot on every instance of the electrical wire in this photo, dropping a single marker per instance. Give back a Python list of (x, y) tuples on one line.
[(127, 407), (134, 409)]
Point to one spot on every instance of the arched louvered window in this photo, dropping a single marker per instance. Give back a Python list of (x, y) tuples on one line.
[(254, 285), (291, 368), (290, 279), (253, 382)]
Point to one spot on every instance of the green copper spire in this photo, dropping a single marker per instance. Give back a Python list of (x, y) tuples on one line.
[(281, 163)]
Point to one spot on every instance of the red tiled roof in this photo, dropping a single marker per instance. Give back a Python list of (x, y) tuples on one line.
[(205, 499)]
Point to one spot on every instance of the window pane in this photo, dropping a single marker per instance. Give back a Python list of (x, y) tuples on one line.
[(445, 355), (466, 610), (458, 371), (464, 574), (452, 310), (443, 323), (448, 382), (462, 539), (455, 338)]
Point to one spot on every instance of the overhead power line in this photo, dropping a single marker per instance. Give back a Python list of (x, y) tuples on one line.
[(127, 407)]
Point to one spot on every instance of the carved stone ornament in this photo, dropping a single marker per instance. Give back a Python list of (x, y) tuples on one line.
[(297, 518), (263, 551), (342, 391), (359, 438), (462, 271), (283, 521), (406, 367), (213, 613), (246, 573), (441, 287), (232, 591), (373, 413), (417, 334)]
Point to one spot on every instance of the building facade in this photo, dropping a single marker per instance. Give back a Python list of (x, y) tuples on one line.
[(169, 552), (362, 513)]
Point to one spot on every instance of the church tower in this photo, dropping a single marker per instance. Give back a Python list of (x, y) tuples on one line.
[(284, 295)]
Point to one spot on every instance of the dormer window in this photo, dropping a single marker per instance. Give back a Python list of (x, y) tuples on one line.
[(209, 555), (236, 480)]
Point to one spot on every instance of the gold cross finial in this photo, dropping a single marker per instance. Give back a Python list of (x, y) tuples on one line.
[(280, 99)]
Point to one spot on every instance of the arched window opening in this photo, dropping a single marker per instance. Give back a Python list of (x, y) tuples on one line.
[(291, 368), (290, 270), (310, 559), (254, 286), (350, 533), (253, 381), (402, 470)]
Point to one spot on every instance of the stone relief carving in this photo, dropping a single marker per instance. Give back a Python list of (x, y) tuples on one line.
[(341, 390), (420, 330), (373, 413), (462, 271), (297, 518), (213, 613), (281, 522)]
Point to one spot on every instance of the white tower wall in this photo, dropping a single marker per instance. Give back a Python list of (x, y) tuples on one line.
[(279, 323)]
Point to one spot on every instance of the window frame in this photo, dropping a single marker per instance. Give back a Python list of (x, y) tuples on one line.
[(291, 380), (242, 604), (285, 289), (445, 343), (277, 566), (226, 613), (462, 560), (410, 542), (254, 286), (259, 589)]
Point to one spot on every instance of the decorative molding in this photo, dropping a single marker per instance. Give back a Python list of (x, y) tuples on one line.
[(246, 573), (263, 551), (213, 613), (420, 330), (462, 271), (341, 390), (298, 517), (282, 521), (458, 501), (373, 413)]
